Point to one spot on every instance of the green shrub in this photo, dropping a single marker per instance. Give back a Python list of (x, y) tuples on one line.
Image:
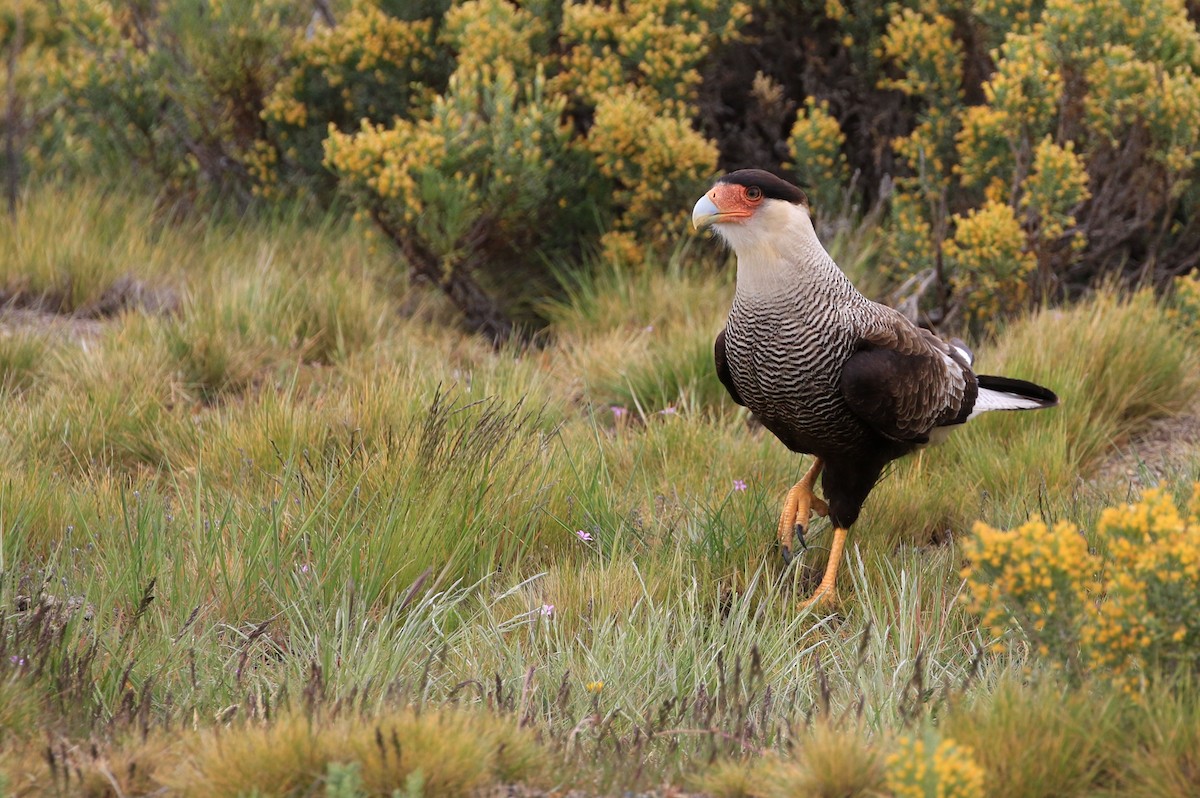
[(488, 176), (1087, 130), (173, 88)]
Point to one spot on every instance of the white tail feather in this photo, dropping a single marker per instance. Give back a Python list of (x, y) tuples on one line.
[(989, 399)]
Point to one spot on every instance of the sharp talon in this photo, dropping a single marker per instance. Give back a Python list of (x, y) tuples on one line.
[(795, 513), (799, 537)]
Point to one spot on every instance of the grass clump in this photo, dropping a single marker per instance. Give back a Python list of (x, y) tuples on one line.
[(22, 353), (831, 761), (1038, 740), (63, 256), (447, 752)]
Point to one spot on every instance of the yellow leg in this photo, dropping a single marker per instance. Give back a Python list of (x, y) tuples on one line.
[(824, 591), (798, 508)]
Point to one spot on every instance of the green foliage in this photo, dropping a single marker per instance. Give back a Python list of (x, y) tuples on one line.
[(1083, 128), (489, 175), (172, 88)]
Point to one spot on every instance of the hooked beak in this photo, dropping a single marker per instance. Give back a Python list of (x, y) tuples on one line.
[(705, 213)]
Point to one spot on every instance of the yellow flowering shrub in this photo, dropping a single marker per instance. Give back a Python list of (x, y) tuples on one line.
[(108, 75), (1001, 16), (1130, 610), (1056, 186), (1015, 140), (655, 45), (484, 32), (1093, 99), (929, 767), (175, 90), (370, 66), (633, 68), (925, 48), (816, 143), (911, 248), (490, 170), (1150, 613), (655, 162), (989, 261), (1185, 305), (31, 46), (1128, 94), (1155, 30), (1036, 580), (921, 43)]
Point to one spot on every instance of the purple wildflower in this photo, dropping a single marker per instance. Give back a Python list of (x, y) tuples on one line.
[(739, 485), (586, 537)]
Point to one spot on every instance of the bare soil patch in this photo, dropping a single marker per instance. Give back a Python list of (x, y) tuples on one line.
[(1169, 447)]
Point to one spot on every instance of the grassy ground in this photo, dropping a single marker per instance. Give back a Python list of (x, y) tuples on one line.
[(270, 527)]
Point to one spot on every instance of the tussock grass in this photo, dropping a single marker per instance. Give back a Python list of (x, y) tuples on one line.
[(832, 762), (1164, 757), (22, 353), (296, 495), (640, 338), (68, 247), (446, 752), (1039, 741)]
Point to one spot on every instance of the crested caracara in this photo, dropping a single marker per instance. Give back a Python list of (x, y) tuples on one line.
[(828, 371)]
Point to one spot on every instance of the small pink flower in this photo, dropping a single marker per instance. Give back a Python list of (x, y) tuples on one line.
[(648, 328), (586, 537), (739, 485), (618, 412), (668, 410), (304, 568), (548, 610)]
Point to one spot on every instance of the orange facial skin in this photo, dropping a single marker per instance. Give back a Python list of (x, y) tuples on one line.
[(735, 202)]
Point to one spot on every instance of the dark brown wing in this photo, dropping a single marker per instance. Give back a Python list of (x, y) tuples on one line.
[(903, 381), (723, 368)]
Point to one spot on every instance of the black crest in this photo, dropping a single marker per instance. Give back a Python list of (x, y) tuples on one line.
[(772, 186)]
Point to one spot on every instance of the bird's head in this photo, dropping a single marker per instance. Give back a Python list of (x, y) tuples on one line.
[(752, 209)]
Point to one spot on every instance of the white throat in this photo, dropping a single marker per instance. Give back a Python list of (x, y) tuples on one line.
[(777, 249)]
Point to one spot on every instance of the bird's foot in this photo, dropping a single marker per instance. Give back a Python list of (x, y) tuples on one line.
[(822, 595), (826, 591), (798, 509)]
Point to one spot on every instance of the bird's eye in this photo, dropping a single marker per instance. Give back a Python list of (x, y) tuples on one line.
[(754, 193)]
